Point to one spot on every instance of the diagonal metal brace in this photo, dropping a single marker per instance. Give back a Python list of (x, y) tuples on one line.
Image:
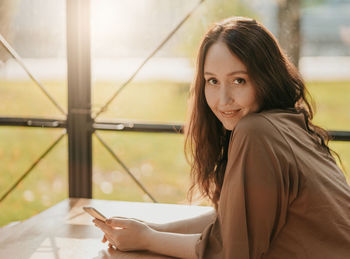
[(32, 166), (124, 167), (19, 60)]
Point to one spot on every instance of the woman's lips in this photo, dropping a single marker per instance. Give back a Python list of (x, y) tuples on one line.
[(230, 113)]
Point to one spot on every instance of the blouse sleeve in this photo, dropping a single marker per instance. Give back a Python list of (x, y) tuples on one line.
[(255, 194)]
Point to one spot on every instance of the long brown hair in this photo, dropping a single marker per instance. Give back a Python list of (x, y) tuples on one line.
[(278, 86)]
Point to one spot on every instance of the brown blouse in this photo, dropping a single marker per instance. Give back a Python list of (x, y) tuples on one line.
[(283, 196)]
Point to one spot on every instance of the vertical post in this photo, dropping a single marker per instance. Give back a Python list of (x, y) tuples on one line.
[(289, 28), (79, 98)]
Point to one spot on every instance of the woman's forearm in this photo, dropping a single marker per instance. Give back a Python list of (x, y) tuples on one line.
[(173, 244), (188, 226)]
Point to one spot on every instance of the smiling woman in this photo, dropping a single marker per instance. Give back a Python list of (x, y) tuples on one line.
[(258, 156)]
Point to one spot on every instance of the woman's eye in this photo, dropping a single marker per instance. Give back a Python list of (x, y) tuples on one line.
[(212, 81), (239, 81)]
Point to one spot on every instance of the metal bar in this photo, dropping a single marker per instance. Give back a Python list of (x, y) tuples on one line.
[(19, 60), (32, 167), (138, 127), (79, 121), (32, 122), (148, 58), (124, 167), (127, 125), (339, 135)]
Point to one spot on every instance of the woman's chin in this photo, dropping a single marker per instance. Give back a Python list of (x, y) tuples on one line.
[(229, 126)]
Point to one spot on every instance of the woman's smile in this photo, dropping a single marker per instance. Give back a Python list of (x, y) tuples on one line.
[(229, 113)]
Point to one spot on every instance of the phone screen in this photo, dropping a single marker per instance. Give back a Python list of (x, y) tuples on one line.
[(95, 213)]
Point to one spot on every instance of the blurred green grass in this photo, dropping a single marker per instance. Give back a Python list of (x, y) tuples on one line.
[(156, 159)]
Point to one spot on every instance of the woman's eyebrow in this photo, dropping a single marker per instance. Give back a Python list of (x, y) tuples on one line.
[(229, 74)]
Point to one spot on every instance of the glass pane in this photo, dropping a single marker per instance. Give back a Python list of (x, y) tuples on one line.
[(122, 37), (46, 184), (157, 100), (325, 60), (36, 31), (157, 160), (332, 104)]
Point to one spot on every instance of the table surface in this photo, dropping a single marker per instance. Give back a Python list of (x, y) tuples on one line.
[(66, 231)]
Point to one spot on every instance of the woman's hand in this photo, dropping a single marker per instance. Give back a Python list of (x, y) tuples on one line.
[(125, 234)]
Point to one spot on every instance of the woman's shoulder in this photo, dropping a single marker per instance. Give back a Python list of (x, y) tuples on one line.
[(269, 122), (269, 126), (254, 123), (267, 132)]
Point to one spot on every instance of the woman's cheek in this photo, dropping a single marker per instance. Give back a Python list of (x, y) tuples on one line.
[(210, 96)]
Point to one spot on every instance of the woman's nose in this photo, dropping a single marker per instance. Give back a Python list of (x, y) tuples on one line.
[(225, 96)]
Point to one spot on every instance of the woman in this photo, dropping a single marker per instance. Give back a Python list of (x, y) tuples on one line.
[(266, 167)]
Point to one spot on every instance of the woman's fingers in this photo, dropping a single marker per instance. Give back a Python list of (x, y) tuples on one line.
[(111, 242), (120, 217), (118, 222), (104, 227), (108, 231)]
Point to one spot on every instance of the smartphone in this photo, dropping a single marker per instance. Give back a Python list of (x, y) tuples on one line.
[(95, 213)]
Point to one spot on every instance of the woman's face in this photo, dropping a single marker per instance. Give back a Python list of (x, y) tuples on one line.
[(229, 91)]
